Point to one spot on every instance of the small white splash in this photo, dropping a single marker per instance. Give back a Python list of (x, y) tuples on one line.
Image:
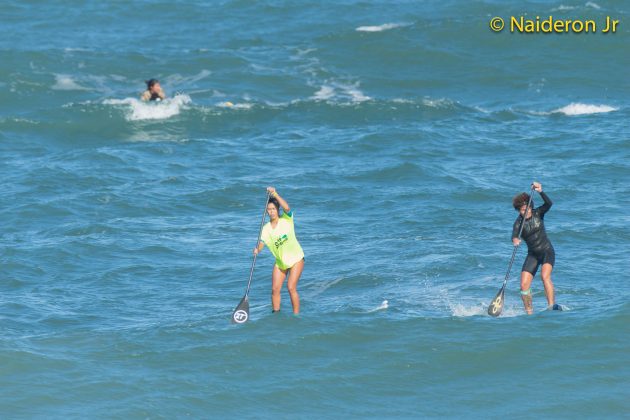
[(66, 82), (383, 305), (380, 28), (139, 110), (593, 5), (562, 8), (584, 109)]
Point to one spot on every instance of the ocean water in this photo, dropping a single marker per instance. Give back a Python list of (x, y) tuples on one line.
[(398, 132)]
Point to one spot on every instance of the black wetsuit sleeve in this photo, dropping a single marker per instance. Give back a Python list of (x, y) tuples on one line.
[(546, 206), (516, 227)]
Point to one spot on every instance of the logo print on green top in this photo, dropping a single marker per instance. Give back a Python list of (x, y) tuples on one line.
[(281, 240)]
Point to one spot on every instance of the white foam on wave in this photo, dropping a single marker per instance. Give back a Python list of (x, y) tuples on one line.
[(356, 94), (437, 103), (138, 110), (66, 82), (341, 91), (583, 109), (324, 93), (593, 5), (380, 28)]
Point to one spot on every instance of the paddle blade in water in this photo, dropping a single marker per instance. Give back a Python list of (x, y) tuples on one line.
[(496, 306), (241, 313)]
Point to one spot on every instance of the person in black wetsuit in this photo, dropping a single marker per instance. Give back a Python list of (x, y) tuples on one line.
[(539, 248)]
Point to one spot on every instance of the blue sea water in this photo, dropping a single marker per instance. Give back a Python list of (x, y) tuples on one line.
[(398, 132)]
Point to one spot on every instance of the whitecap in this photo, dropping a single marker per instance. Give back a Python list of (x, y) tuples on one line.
[(341, 91), (593, 5), (380, 28), (66, 82), (324, 93), (356, 94), (139, 110), (583, 109)]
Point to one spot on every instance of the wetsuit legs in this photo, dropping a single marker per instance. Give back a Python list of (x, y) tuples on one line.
[(545, 273), (526, 294)]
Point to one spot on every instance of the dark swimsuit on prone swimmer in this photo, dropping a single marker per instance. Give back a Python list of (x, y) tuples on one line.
[(539, 248)]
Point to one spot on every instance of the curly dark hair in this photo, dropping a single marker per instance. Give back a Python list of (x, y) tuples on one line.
[(520, 200)]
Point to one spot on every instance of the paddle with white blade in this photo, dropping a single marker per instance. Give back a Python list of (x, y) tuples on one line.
[(496, 306), (241, 313)]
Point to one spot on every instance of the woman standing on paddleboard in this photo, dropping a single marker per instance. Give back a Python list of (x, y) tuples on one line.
[(539, 248), (279, 236)]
